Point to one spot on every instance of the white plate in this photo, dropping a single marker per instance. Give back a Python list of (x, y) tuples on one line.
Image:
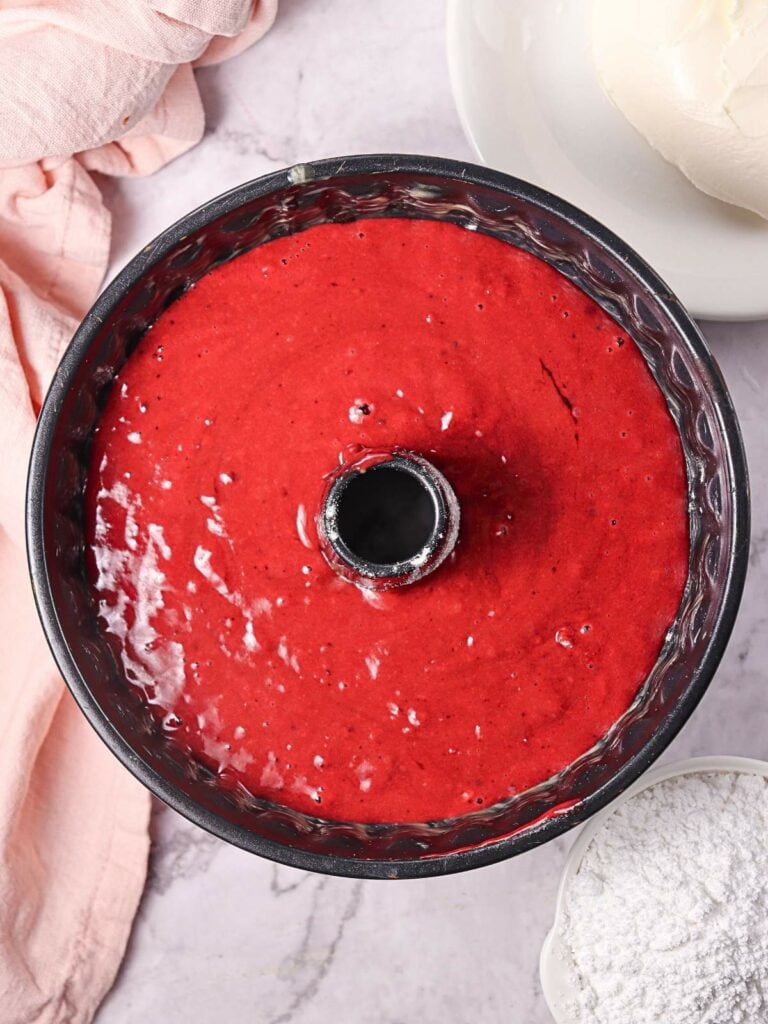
[(556, 977), (531, 105)]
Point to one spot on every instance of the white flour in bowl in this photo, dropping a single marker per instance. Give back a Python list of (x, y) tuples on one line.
[(666, 921)]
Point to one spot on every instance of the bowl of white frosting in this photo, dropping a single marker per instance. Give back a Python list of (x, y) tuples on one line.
[(662, 911), (651, 115), (692, 77)]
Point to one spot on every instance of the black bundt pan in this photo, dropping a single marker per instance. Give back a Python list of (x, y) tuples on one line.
[(524, 216)]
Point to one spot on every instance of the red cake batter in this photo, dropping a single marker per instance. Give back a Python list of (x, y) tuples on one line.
[(429, 701)]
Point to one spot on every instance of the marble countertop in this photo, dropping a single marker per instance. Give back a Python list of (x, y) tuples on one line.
[(222, 935)]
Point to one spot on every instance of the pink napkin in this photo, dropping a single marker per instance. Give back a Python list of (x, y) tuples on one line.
[(84, 86)]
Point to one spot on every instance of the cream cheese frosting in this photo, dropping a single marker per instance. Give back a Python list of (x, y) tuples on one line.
[(692, 77)]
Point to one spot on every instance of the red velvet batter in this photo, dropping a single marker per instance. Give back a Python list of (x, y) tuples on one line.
[(496, 671)]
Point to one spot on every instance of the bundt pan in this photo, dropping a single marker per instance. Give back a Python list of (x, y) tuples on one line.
[(521, 215)]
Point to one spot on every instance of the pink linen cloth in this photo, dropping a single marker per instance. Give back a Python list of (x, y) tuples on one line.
[(85, 85)]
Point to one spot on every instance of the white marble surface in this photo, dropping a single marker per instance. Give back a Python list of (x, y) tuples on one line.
[(222, 935)]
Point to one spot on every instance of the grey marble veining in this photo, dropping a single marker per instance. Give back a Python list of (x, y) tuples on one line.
[(222, 935)]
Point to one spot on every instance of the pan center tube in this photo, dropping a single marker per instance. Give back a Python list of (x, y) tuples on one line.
[(388, 518)]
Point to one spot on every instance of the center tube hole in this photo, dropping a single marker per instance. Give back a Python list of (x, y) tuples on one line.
[(386, 515)]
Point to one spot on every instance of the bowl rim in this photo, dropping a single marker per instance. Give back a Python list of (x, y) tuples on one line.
[(489, 851), (552, 958)]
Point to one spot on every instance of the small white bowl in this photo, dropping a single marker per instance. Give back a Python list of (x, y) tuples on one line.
[(555, 981)]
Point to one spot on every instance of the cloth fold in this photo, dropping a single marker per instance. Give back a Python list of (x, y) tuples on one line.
[(84, 87)]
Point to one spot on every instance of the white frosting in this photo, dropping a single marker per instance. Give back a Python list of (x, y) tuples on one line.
[(692, 77)]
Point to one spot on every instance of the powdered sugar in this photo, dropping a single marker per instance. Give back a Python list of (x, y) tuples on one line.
[(666, 919)]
